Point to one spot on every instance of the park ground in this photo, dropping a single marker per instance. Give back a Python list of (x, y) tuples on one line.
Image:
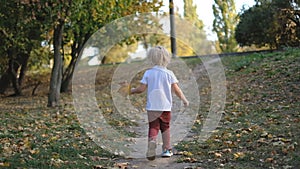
[(260, 125)]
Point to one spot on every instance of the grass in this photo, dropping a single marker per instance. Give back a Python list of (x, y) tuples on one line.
[(259, 128), (44, 138)]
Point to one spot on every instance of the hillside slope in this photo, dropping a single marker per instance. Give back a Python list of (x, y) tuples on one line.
[(260, 127)]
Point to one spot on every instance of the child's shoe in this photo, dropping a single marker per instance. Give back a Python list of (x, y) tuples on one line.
[(167, 153), (151, 150)]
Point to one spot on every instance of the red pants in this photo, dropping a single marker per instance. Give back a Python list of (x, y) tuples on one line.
[(159, 120)]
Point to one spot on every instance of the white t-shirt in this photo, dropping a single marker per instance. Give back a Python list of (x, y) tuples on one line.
[(159, 95)]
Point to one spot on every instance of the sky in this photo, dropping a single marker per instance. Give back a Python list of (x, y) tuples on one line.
[(205, 12)]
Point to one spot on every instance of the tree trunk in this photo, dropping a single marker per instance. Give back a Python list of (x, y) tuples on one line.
[(23, 60), (5, 81), (67, 77), (76, 49), (56, 74), (68, 74), (14, 66), (11, 75)]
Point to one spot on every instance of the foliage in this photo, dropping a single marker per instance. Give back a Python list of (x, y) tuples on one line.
[(24, 22), (224, 25), (256, 27), (188, 41), (270, 23), (184, 46), (18, 28), (39, 59), (20, 33), (119, 53), (190, 14), (83, 24)]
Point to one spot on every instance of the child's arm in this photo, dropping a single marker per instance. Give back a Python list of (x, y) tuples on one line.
[(139, 89), (179, 93)]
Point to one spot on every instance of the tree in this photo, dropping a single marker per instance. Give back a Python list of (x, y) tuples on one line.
[(60, 12), (83, 24), (224, 24), (288, 21), (70, 21), (183, 46), (19, 33), (190, 15), (270, 23), (254, 27)]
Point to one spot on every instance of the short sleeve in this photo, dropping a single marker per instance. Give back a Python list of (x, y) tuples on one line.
[(173, 78), (145, 78)]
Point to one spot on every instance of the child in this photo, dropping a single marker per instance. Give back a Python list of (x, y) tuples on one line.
[(160, 83)]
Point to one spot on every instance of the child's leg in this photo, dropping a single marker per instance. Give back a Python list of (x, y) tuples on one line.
[(154, 125), (165, 119)]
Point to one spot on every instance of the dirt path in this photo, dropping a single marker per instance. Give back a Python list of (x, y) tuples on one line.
[(158, 163)]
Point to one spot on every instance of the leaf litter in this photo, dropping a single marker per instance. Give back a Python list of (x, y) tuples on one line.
[(259, 128)]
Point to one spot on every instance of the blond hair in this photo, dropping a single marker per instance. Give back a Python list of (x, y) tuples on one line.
[(159, 56)]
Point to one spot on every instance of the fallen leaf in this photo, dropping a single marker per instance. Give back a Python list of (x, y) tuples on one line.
[(187, 153), (34, 151), (190, 160), (269, 160), (124, 89), (239, 155), (99, 167), (5, 164), (264, 134), (81, 156), (122, 165), (226, 150), (97, 158), (218, 155)]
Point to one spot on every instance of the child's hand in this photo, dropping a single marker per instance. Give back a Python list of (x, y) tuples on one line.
[(186, 103), (124, 89)]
